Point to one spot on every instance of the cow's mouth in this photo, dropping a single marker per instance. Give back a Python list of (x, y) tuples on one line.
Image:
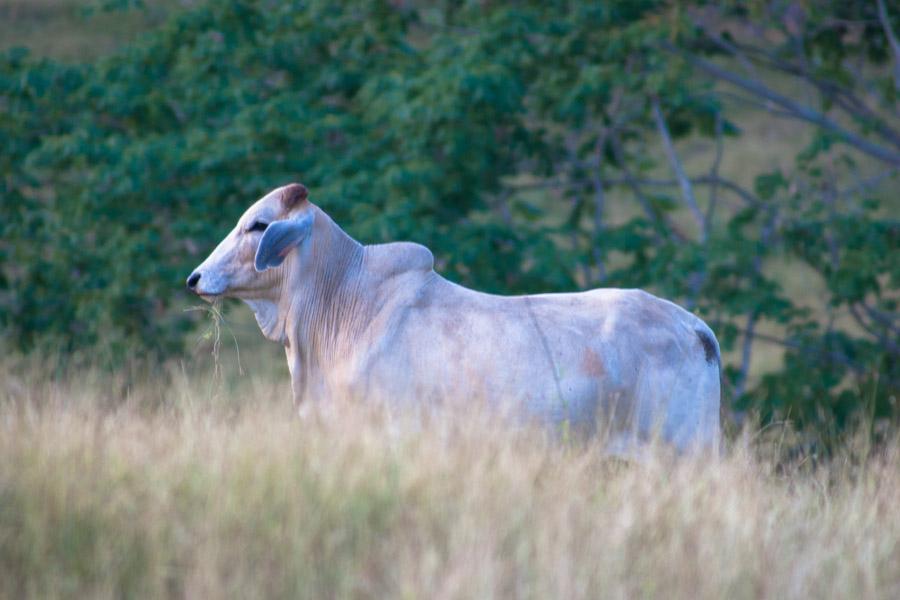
[(209, 296)]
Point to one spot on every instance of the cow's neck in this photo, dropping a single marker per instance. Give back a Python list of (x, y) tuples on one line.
[(322, 303)]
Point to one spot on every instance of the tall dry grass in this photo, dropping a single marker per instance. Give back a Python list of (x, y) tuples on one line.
[(176, 488)]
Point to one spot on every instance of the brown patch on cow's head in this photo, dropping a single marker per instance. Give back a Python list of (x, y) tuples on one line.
[(592, 364), (292, 195)]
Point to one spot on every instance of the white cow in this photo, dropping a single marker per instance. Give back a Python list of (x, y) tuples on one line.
[(378, 322)]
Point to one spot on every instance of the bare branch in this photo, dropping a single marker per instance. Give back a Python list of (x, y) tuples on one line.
[(501, 205), (547, 185), (618, 120), (714, 174), (885, 318), (842, 96), (746, 350), (582, 268), (757, 104), (635, 183), (687, 193), (722, 43), (599, 202), (837, 357), (804, 113), (727, 184), (874, 332), (867, 184), (632, 182), (892, 39)]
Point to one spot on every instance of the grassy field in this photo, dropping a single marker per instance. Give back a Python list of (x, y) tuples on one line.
[(186, 487)]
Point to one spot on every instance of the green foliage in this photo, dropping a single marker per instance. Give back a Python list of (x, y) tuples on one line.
[(515, 141)]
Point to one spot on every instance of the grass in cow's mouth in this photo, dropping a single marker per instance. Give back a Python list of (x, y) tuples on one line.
[(213, 333)]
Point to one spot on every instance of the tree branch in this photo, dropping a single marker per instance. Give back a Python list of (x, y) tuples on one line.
[(599, 202), (582, 268), (746, 350), (757, 104), (867, 184), (714, 174), (635, 182), (501, 205), (727, 184), (687, 193), (629, 179), (801, 112), (753, 314), (892, 40), (884, 341), (840, 95), (794, 345), (886, 319)]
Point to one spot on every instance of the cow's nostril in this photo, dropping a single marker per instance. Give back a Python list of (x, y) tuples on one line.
[(193, 279)]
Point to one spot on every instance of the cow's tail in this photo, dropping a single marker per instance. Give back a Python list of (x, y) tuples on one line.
[(709, 389)]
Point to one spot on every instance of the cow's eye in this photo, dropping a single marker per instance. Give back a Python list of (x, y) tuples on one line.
[(258, 226)]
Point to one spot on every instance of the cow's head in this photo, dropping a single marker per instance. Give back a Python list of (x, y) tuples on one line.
[(246, 263)]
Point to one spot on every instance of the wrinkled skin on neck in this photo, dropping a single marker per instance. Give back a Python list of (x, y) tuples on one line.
[(310, 303), (318, 310), (305, 293)]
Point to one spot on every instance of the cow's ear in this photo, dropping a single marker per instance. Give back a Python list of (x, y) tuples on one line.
[(292, 195), (279, 239)]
